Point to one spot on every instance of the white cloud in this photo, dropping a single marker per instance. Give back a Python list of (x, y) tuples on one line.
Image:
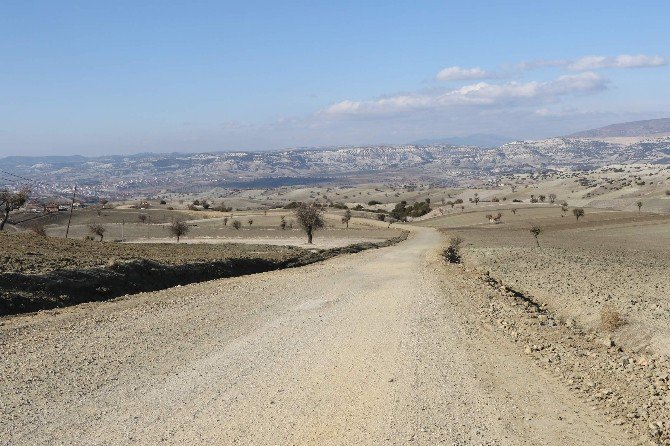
[(589, 63), (540, 63), (479, 94), (458, 74), (621, 61)]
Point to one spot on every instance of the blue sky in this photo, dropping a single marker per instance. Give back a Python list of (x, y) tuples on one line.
[(96, 77)]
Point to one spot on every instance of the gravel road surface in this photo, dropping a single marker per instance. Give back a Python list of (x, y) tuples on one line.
[(365, 349)]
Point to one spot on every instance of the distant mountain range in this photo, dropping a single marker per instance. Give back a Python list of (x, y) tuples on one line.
[(479, 140), (453, 165), (650, 127)]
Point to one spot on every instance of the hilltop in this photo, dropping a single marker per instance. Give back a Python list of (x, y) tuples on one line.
[(646, 128)]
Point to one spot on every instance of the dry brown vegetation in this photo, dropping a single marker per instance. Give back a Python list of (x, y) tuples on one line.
[(611, 319)]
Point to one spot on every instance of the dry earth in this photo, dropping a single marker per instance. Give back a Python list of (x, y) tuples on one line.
[(618, 259), (29, 253), (382, 347)]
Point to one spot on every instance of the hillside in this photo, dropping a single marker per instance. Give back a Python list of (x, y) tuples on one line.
[(150, 173), (650, 127)]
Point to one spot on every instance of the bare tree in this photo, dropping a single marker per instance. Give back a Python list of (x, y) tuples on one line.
[(552, 198), (578, 212), (10, 201), (282, 223), (310, 219), (225, 221), (38, 229), (251, 221), (178, 228), (142, 218), (97, 229), (237, 224), (513, 211), (346, 217), (639, 206), (476, 200), (536, 231)]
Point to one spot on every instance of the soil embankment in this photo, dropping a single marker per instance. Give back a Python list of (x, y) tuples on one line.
[(23, 292)]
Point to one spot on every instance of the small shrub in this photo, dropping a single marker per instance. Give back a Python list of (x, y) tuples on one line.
[(610, 318), (374, 202), (453, 252), (237, 224), (38, 229)]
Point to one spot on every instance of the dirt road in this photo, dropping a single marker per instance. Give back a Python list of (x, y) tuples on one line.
[(367, 349)]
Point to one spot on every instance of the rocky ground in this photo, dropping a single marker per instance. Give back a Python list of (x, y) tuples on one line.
[(628, 387), (614, 260)]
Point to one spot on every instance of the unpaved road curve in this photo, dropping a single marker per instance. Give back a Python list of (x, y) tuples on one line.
[(366, 349)]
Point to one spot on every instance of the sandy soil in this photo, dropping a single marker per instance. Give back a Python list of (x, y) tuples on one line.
[(373, 348)]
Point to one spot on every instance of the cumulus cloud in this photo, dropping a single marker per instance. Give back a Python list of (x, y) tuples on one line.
[(621, 61), (459, 74), (478, 94)]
